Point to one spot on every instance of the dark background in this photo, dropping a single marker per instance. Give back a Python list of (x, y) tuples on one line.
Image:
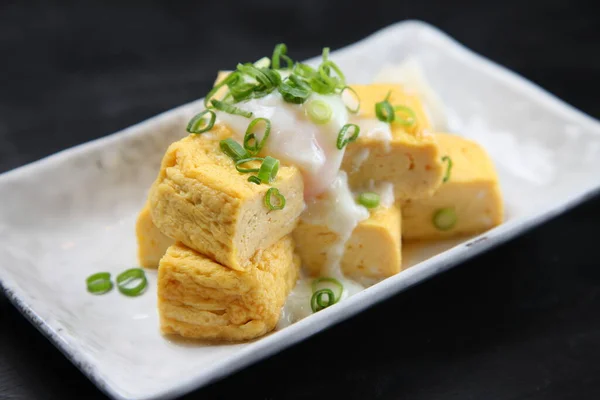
[(520, 322)]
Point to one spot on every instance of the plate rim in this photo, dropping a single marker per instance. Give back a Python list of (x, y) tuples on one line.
[(277, 341)]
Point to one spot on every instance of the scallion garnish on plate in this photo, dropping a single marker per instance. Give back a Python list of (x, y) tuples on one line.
[(133, 275), (268, 169), (369, 199), (200, 124), (233, 149), (323, 293), (444, 219), (319, 111), (99, 283), (274, 200), (251, 143), (448, 168), (344, 138)]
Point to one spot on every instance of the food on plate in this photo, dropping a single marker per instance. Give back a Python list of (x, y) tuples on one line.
[(404, 152), (468, 202), (201, 200), (373, 251), (199, 298), (152, 243), (287, 163)]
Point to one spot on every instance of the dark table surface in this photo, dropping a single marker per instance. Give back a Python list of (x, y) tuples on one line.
[(519, 322)]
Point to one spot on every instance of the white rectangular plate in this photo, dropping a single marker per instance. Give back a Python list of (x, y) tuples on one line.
[(72, 214)]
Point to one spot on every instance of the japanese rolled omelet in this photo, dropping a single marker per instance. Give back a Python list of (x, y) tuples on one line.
[(283, 180)]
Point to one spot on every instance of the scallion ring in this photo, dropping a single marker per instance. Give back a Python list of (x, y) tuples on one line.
[(125, 279), (251, 143), (280, 52), (322, 299), (369, 199), (233, 149), (198, 124), (318, 282), (230, 109), (274, 200), (355, 99), (444, 219), (264, 62), (448, 168), (291, 94), (230, 78), (99, 283), (410, 121), (385, 112), (254, 179), (319, 111), (324, 71), (343, 139), (268, 169), (239, 163)]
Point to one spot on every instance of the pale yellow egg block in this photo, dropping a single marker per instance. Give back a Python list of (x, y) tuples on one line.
[(411, 160), (152, 244), (472, 193), (201, 200), (199, 298), (373, 251)]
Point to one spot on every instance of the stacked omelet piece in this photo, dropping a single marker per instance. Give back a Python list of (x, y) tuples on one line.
[(227, 263)]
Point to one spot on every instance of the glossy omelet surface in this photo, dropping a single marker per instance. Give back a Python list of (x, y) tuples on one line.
[(201, 200), (472, 192), (411, 160)]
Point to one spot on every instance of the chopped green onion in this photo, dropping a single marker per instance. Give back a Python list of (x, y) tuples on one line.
[(299, 82), (268, 169), (355, 98), (280, 199), (444, 219), (412, 117), (369, 199), (280, 51), (342, 140), (233, 149), (324, 297), (198, 124), (251, 143), (241, 91), (228, 108), (230, 78), (448, 169), (238, 164), (268, 78), (324, 71), (264, 62), (319, 111), (99, 283), (304, 71), (325, 54), (254, 179), (291, 94), (384, 111), (132, 275)]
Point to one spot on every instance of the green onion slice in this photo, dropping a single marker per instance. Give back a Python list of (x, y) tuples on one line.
[(280, 52), (238, 164), (230, 109), (254, 179), (233, 149), (324, 71), (305, 71), (99, 283), (369, 199), (319, 111), (274, 200), (125, 279), (251, 143), (384, 111), (448, 169), (343, 140), (199, 123), (268, 169), (412, 117), (234, 76), (291, 94), (264, 62), (323, 293), (351, 100), (444, 219)]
